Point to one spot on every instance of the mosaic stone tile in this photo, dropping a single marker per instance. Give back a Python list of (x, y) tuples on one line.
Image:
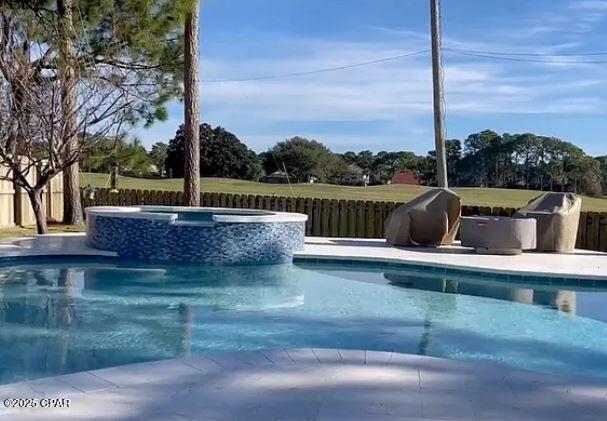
[(218, 244)]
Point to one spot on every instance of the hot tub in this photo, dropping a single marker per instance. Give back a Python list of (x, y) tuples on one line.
[(216, 236)]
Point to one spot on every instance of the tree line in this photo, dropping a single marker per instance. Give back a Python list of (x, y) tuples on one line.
[(483, 159)]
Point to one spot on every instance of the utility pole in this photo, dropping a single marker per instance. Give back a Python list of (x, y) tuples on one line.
[(437, 82)]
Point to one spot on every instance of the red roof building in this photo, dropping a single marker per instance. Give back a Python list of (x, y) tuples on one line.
[(406, 177)]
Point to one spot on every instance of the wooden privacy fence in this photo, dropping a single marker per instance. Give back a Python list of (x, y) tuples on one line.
[(15, 207), (331, 217)]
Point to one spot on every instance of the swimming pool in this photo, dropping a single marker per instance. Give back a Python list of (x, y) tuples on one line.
[(59, 315)]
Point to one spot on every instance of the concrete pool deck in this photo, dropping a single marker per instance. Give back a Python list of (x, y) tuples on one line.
[(311, 384), (322, 384), (579, 264)]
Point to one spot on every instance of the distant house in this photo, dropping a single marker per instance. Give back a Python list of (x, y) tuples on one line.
[(277, 177), (354, 176), (406, 177)]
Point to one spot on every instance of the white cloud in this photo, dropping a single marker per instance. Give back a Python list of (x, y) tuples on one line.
[(576, 19), (388, 91), (590, 5), (396, 96)]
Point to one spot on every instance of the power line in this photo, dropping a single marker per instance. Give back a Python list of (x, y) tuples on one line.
[(502, 53), (527, 60), (312, 72), (495, 55)]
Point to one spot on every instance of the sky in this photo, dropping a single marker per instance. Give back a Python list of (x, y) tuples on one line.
[(388, 105)]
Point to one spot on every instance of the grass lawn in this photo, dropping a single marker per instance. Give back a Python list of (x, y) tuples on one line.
[(393, 193), (14, 232)]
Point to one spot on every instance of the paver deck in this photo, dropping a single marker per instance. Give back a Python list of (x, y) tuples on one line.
[(312, 384), (579, 264)]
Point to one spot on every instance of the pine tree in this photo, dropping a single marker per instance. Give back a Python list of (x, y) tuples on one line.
[(191, 179), (72, 206), (130, 51), (141, 37)]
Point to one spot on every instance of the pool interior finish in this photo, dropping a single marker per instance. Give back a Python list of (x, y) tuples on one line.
[(62, 316)]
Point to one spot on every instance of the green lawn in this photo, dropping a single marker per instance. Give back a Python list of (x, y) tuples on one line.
[(396, 193), (16, 232)]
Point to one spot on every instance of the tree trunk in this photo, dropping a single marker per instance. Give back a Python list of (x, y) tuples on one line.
[(72, 206), (191, 176), (35, 196)]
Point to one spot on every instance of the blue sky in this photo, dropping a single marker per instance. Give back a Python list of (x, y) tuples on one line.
[(388, 106)]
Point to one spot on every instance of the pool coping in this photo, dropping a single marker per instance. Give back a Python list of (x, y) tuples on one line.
[(220, 215), (457, 259), (446, 260), (471, 388)]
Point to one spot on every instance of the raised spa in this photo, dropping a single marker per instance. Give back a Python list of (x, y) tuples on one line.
[(196, 235)]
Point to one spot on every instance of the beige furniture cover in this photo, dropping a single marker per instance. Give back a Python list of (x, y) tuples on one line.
[(558, 216), (431, 219), (498, 234)]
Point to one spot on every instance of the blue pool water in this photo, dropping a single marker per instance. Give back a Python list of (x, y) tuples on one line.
[(201, 216), (62, 316)]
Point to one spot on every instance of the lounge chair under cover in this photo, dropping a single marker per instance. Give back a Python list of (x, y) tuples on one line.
[(557, 216), (431, 219)]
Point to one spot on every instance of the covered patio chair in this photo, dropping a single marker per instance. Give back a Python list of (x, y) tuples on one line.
[(431, 219), (557, 216)]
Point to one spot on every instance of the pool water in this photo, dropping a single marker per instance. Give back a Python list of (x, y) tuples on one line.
[(61, 316), (201, 216)]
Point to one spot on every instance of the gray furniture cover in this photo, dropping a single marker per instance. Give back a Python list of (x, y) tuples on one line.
[(431, 219), (498, 234), (557, 216)]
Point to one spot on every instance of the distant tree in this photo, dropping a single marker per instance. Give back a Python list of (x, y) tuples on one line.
[(454, 155), (222, 154), (303, 158), (128, 156), (350, 157), (132, 158), (158, 155), (387, 164), (365, 160), (478, 146), (528, 161), (602, 160)]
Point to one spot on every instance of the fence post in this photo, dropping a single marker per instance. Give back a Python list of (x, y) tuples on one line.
[(326, 215), (316, 220), (360, 219), (603, 231), (580, 242), (308, 206), (343, 218), (351, 218), (333, 218), (592, 231), (378, 211)]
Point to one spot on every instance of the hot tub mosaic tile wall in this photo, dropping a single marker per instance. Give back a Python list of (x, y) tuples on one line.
[(219, 243)]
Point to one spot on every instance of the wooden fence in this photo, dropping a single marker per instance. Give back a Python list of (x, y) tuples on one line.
[(15, 207), (331, 217)]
